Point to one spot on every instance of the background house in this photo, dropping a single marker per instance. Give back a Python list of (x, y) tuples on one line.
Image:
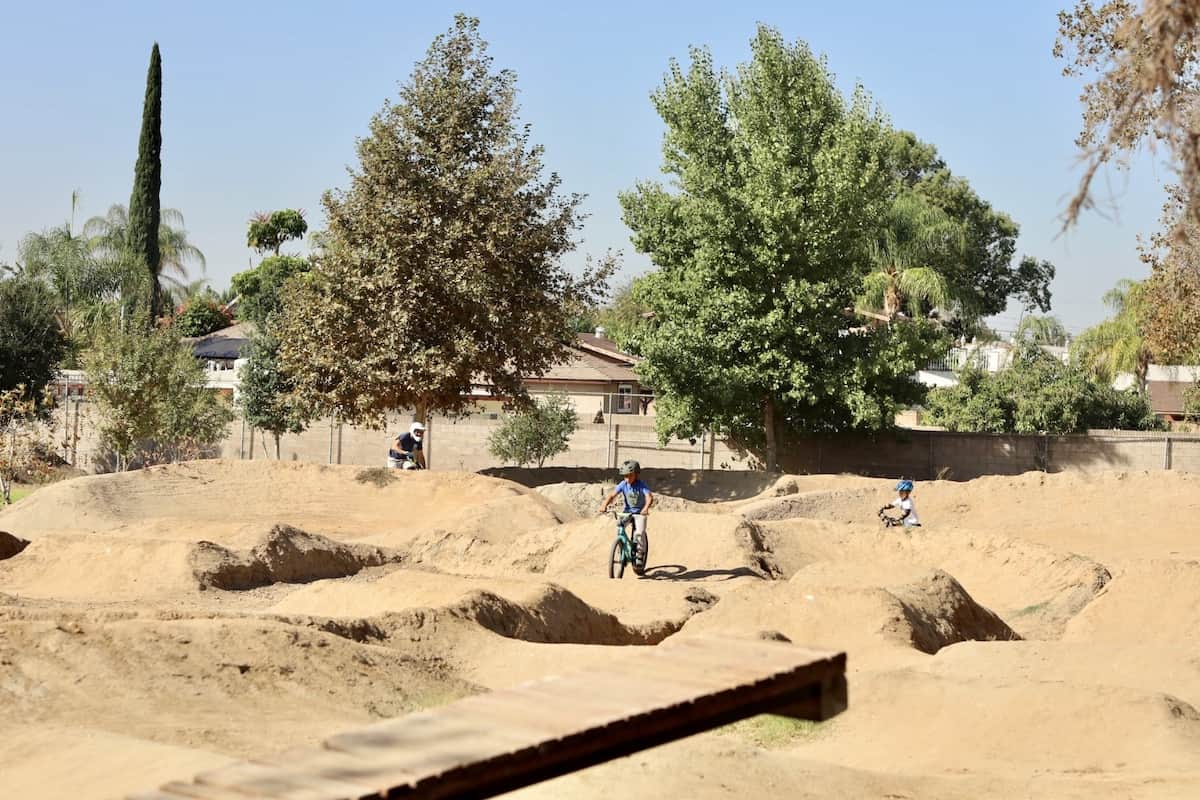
[(598, 377), (221, 351)]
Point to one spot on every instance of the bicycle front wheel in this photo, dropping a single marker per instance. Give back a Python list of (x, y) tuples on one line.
[(616, 560), (641, 552)]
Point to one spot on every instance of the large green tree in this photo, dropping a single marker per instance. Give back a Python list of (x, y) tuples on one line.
[(761, 244), (144, 203), (441, 265)]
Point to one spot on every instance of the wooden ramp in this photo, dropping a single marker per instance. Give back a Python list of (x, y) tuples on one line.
[(496, 742)]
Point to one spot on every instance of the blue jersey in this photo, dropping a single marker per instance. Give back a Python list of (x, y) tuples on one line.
[(634, 494)]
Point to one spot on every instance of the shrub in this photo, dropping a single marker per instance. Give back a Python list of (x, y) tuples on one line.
[(536, 433), (201, 316)]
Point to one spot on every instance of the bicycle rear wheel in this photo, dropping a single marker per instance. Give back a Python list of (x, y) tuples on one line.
[(616, 560)]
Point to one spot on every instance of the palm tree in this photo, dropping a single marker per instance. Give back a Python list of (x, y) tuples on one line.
[(913, 235), (107, 236), (1041, 330), (63, 260), (1117, 344)]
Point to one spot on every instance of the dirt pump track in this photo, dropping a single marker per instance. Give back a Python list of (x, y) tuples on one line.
[(1034, 639)]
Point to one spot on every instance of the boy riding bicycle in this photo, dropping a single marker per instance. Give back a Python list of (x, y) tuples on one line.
[(638, 499)]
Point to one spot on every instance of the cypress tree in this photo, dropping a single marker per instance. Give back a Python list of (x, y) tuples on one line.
[(147, 181)]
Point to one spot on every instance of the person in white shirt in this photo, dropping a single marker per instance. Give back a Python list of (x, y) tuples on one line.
[(908, 511)]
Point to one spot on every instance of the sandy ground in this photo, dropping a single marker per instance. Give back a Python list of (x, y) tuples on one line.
[(1037, 638)]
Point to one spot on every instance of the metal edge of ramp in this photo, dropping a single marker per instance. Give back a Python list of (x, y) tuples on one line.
[(499, 741)]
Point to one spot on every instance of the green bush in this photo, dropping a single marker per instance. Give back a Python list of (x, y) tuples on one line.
[(536, 433), (1038, 393)]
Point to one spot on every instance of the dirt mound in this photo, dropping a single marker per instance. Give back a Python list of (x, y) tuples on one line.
[(646, 604), (585, 498), (938, 612), (285, 555), (11, 545), (1065, 729), (100, 569), (404, 601), (820, 504), (1035, 588), (1153, 601), (924, 611), (231, 502), (557, 616), (703, 486), (234, 686)]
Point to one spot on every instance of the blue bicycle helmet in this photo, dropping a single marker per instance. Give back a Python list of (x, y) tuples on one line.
[(904, 486)]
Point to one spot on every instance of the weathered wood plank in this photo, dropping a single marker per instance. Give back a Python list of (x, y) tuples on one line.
[(493, 743)]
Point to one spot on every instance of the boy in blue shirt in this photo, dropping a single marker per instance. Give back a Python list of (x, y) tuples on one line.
[(638, 499)]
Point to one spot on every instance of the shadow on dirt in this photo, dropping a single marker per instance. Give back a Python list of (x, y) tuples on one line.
[(678, 572)]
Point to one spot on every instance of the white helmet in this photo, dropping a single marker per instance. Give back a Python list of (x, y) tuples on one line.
[(416, 428)]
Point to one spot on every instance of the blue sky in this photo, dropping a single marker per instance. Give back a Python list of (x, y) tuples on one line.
[(263, 101)]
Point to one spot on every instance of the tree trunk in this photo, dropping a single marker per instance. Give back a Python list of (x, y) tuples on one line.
[(893, 301), (277, 438), (421, 412), (772, 454)]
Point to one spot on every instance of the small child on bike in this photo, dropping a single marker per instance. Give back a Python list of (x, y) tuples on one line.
[(637, 495), (908, 512)]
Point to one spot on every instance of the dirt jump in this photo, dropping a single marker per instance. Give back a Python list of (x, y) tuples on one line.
[(1035, 638)]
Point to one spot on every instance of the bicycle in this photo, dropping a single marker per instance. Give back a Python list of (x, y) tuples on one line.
[(890, 522), (626, 550)]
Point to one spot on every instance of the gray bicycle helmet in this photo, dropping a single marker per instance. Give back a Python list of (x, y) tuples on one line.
[(630, 466)]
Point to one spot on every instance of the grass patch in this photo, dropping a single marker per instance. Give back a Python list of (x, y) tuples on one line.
[(1036, 608), (377, 476), (772, 731), (21, 492)]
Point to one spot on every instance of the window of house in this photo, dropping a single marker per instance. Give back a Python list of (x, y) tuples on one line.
[(625, 399)]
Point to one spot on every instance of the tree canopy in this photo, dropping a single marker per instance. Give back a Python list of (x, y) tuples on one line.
[(1140, 68), (269, 231), (761, 246), (981, 277), (260, 290), (442, 265)]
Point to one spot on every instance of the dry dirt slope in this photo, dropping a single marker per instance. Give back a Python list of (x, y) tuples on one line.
[(164, 621)]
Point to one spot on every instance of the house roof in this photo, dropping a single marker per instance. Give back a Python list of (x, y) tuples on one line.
[(588, 366), (225, 343), (604, 347)]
